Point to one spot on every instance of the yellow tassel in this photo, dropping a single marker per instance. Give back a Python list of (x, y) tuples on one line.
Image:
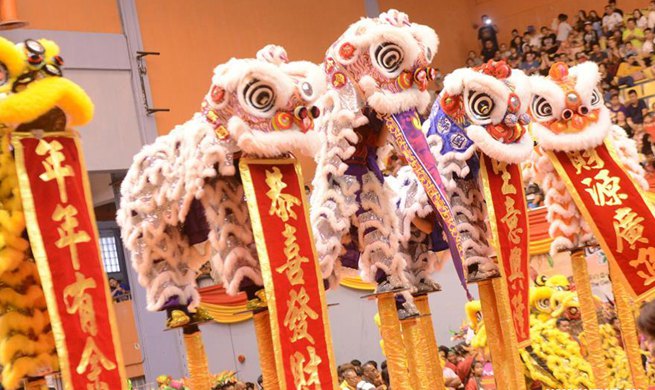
[(266, 352), (393, 342), (435, 378), (589, 319), (196, 361), (628, 330), (494, 334)]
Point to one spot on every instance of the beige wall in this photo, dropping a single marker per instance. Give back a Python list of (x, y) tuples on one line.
[(195, 36), (452, 20), (100, 16), (510, 14)]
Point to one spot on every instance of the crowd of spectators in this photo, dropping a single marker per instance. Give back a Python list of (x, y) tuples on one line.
[(621, 42)]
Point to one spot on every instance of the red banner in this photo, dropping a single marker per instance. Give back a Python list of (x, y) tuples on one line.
[(64, 239), (508, 218), (602, 189), (292, 279)]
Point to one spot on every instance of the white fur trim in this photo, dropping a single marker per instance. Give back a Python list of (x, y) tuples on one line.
[(271, 144), (548, 89), (514, 153), (386, 102), (587, 78)]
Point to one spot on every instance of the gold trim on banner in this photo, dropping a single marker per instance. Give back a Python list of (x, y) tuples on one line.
[(582, 207), (491, 213), (120, 362), (319, 276), (38, 250), (264, 262)]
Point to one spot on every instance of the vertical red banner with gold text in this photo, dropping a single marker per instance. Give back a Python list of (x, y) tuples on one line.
[(616, 210), (63, 236), (508, 218), (294, 287)]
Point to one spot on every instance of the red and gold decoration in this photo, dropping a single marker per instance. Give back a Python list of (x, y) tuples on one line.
[(508, 217), (294, 287), (617, 212), (64, 240)]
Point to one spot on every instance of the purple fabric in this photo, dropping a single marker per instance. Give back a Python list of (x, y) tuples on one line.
[(195, 225), (172, 302), (415, 140)]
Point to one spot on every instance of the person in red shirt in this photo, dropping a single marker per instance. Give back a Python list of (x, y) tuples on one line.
[(475, 380)]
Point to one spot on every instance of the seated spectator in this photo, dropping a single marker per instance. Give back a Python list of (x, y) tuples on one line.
[(611, 20), (596, 22), (614, 105), (350, 378), (623, 122), (649, 43), (563, 28), (475, 59), (530, 64), (517, 44), (451, 380), (597, 55), (504, 51), (371, 377), (119, 291), (488, 51), (532, 38), (627, 49), (589, 36), (581, 57), (629, 71), (640, 19), (475, 379), (635, 108), (612, 4), (579, 21), (646, 325), (547, 33), (633, 34), (651, 15)]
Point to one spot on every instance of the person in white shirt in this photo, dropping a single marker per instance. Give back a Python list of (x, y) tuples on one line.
[(563, 28), (611, 19), (640, 19), (648, 46), (651, 15), (451, 379)]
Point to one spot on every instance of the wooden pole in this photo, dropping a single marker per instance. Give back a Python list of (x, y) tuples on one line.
[(431, 350), (393, 342)]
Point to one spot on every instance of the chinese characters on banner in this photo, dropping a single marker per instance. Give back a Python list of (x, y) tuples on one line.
[(292, 280), (508, 217), (64, 241), (616, 211)]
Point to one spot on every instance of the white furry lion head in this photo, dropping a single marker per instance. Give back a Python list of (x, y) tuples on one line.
[(267, 104), (490, 103), (386, 61), (568, 109)]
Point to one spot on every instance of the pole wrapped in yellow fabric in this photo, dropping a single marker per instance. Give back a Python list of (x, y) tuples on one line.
[(435, 378), (589, 319), (266, 351), (628, 330), (416, 348), (196, 359), (393, 342), (511, 347), (494, 334)]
